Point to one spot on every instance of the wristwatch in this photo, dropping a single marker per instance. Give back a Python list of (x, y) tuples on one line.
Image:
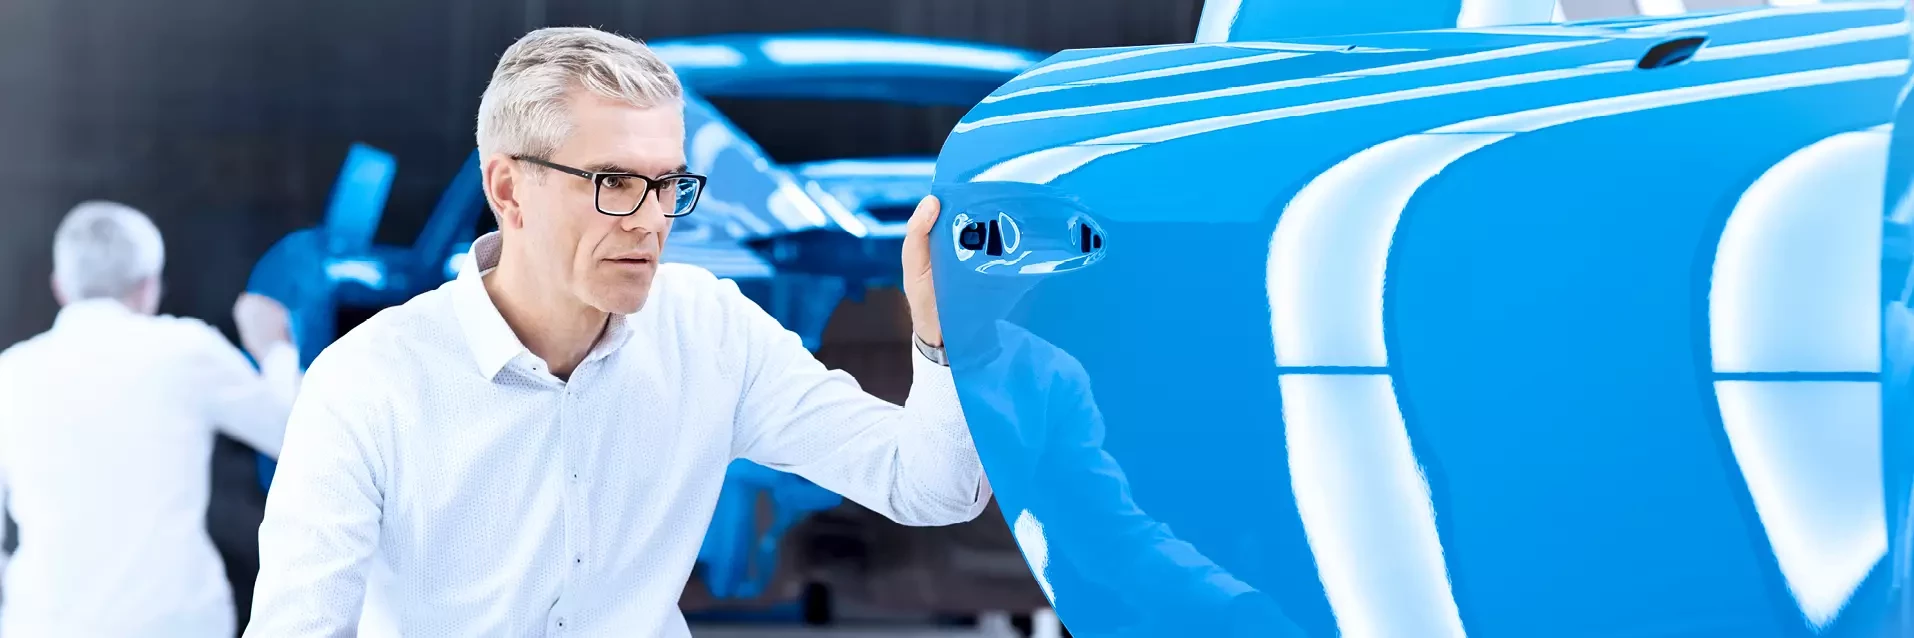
[(934, 353)]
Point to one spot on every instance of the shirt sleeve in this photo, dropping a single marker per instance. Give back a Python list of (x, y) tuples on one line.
[(915, 464), (6, 504), (321, 526), (247, 404)]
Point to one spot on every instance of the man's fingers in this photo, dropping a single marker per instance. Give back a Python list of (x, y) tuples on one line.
[(924, 218)]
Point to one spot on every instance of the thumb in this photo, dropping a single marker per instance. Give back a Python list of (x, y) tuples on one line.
[(925, 217), (917, 237)]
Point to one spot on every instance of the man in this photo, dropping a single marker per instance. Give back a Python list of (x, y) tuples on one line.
[(106, 424), (536, 447)]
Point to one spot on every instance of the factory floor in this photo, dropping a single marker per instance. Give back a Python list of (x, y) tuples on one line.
[(826, 632), (990, 625)]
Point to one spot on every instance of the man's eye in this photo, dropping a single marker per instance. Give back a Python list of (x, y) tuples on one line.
[(614, 182)]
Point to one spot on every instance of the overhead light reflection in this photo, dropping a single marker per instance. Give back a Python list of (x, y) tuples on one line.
[(807, 51), (686, 55)]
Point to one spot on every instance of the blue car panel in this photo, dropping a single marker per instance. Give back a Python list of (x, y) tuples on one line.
[(1548, 332), (1263, 20)]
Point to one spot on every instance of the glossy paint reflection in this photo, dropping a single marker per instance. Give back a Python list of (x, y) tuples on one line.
[(1531, 343), (1062, 489), (1796, 348)]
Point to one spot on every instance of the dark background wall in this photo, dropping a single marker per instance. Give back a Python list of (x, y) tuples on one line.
[(226, 120)]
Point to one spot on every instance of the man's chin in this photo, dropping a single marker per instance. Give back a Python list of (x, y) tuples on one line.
[(626, 301), (621, 306)]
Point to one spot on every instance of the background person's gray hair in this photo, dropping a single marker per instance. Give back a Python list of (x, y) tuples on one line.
[(105, 250), (523, 110)]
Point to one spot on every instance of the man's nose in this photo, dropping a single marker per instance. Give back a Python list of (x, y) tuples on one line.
[(649, 217)]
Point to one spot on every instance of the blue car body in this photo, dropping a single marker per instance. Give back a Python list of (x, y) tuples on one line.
[(797, 239), (1559, 330)]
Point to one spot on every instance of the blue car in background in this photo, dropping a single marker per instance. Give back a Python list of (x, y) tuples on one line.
[(1565, 330), (798, 239)]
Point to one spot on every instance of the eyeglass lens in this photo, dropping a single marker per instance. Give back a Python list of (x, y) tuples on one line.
[(622, 194)]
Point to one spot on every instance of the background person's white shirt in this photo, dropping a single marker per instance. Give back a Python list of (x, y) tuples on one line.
[(439, 478), (106, 431)]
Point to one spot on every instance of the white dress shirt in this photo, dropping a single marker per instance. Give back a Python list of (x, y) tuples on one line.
[(106, 435), (440, 479)]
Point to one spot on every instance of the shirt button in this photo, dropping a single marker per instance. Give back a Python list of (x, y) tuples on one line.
[(561, 623), (578, 560)]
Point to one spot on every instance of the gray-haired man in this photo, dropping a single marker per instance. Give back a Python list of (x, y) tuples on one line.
[(536, 447), (106, 426)]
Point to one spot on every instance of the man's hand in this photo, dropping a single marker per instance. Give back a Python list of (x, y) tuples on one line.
[(917, 284), (262, 322)]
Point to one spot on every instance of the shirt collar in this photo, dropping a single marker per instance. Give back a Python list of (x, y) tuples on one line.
[(492, 341), (89, 311)]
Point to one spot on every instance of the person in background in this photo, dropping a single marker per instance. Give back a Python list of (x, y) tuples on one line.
[(536, 447), (107, 421)]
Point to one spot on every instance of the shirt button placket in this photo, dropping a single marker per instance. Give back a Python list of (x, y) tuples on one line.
[(572, 505), (575, 507)]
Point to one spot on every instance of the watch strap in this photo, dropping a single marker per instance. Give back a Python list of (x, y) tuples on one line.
[(934, 353)]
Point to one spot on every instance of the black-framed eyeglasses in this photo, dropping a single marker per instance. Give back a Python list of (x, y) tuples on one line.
[(620, 194)]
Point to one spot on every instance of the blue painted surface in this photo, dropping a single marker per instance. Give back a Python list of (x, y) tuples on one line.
[(1458, 334), (1255, 21)]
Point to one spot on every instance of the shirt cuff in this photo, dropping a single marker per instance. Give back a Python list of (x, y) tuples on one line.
[(934, 391)]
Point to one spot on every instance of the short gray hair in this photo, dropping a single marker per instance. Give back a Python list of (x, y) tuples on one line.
[(105, 250), (523, 110)]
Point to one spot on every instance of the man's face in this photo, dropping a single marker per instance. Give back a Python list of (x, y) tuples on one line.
[(606, 262)]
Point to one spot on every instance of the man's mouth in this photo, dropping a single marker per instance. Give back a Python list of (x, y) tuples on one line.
[(630, 261)]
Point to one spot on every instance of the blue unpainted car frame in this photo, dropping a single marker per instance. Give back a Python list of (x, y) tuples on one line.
[(797, 239)]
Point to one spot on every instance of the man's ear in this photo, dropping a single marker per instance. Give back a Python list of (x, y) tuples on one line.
[(150, 293), (502, 176)]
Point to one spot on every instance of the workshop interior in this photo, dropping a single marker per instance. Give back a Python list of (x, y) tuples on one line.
[(1390, 318)]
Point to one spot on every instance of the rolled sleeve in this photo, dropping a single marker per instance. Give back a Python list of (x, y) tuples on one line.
[(250, 405)]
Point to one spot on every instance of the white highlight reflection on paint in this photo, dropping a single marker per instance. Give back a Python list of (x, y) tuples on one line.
[(1811, 455), (1329, 416), (1365, 508), (1331, 247), (1266, 87), (1137, 52), (1213, 124), (1550, 116), (1794, 289), (1046, 165), (1796, 280), (1197, 67), (1036, 551), (1218, 18), (1798, 43)]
